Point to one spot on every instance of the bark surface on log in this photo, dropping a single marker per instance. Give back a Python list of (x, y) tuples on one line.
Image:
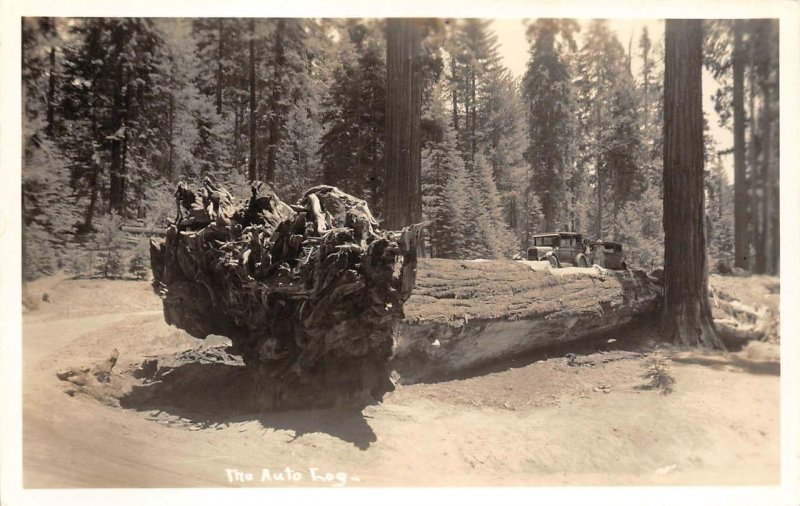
[(464, 314), (308, 293)]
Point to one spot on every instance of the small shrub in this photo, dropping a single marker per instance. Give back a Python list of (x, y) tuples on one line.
[(658, 374), (114, 265), (138, 266)]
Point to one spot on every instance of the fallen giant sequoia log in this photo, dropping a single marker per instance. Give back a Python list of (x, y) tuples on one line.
[(307, 293), (464, 314)]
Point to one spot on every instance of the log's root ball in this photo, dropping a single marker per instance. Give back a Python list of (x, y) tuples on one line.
[(308, 293)]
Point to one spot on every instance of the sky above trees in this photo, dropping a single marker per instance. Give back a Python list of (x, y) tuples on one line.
[(514, 49)]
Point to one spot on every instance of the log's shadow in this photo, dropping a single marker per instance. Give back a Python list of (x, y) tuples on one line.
[(216, 394), (349, 425), (724, 362)]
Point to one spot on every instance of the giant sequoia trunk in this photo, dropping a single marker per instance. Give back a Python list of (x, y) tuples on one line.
[(687, 313), (252, 166), (740, 221), (768, 113), (309, 293), (275, 116), (403, 190), (219, 66), (756, 181)]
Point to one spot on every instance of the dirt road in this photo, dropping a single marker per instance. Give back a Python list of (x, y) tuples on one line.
[(541, 423)]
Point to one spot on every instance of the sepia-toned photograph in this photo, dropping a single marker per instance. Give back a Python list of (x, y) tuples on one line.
[(348, 252)]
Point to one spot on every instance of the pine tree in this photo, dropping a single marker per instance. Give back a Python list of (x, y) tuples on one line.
[(550, 103), (114, 104), (353, 112), (109, 238), (498, 241), (299, 132), (48, 207), (724, 57), (622, 150), (719, 214), (446, 195), (650, 83), (609, 128), (489, 141)]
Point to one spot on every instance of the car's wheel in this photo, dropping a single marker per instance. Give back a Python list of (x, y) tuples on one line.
[(581, 261), (554, 261), (624, 266)]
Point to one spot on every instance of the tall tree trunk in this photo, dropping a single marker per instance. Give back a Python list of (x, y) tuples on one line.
[(171, 164), (741, 238), (473, 123), (775, 182), (94, 191), (123, 184), (599, 218), (756, 179), (237, 115), (527, 216), (547, 215), (251, 168), (275, 117), (94, 177), (51, 90), (375, 172), (455, 92), (219, 66), (548, 201), (402, 184), (116, 193), (463, 138), (687, 312), (598, 112), (572, 215), (141, 210), (765, 258), (776, 206), (512, 213), (115, 175), (646, 83)]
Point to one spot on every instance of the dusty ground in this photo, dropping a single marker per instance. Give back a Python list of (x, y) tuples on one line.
[(536, 421)]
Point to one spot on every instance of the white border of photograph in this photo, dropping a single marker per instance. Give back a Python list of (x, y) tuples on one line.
[(10, 248)]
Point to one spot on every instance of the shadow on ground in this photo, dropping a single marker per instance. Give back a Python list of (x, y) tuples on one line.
[(727, 361), (221, 394)]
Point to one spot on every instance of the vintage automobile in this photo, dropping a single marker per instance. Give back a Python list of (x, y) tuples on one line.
[(614, 257), (558, 248)]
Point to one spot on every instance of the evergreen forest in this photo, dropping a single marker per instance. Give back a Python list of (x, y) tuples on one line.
[(117, 111)]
